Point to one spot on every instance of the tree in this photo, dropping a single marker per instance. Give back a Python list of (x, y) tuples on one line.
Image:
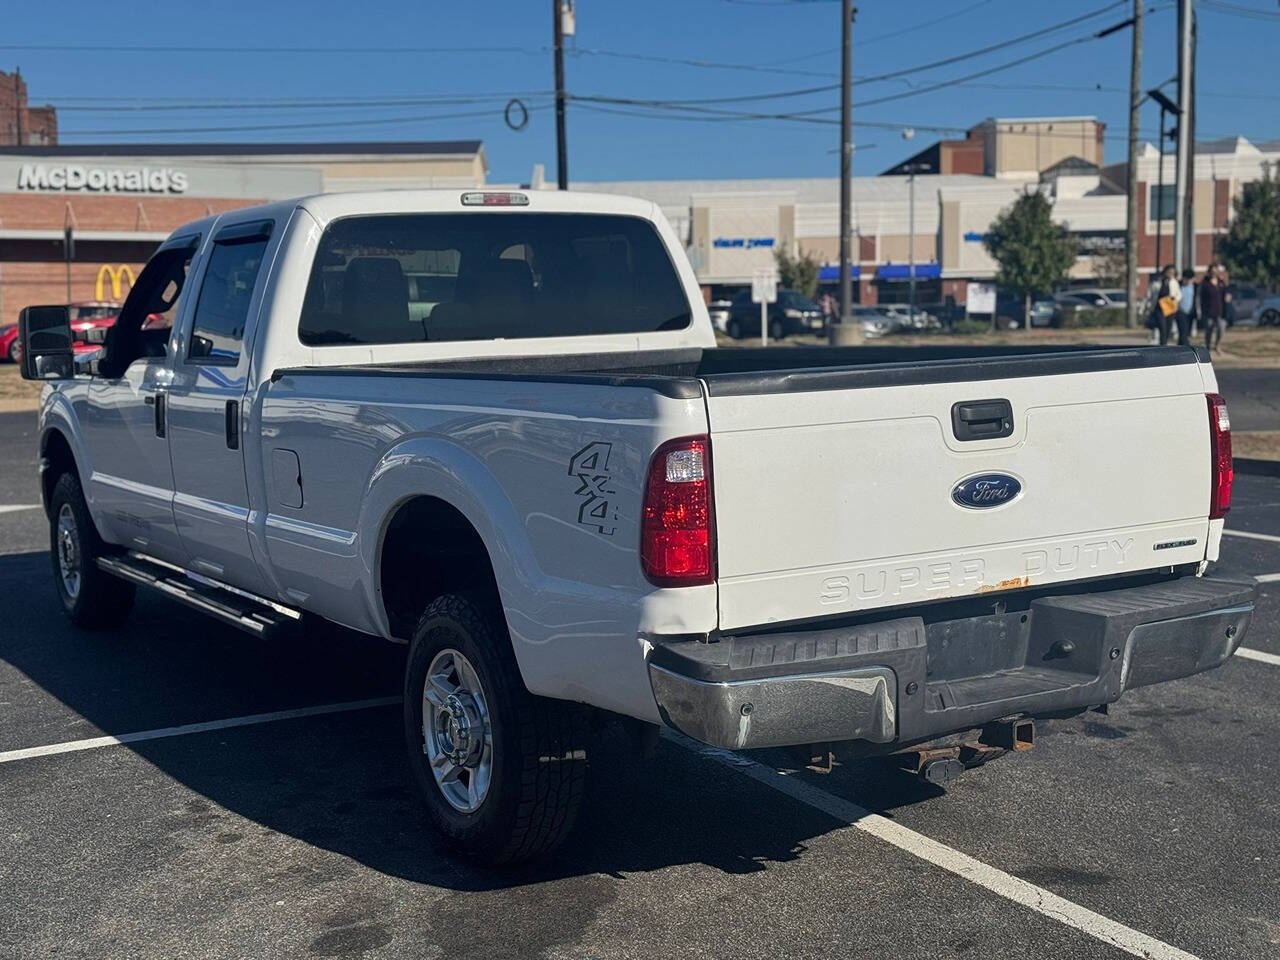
[(1251, 247), (798, 273), (1034, 253)]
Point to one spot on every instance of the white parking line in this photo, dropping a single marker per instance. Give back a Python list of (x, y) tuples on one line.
[(1248, 535), (1267, 577), (940, 855), (1260, 656), (93, 743), (15, 507)]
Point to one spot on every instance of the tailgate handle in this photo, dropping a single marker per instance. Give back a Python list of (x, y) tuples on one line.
[(982, 419)]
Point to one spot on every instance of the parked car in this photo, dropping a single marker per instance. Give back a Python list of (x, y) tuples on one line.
[(1011, 309), (719, 311), (10, 347), (1098, 297), (891, 552), (1247, 299), (875, 322), (791, 313), (902, 313), (1267, 312), (90, 321)]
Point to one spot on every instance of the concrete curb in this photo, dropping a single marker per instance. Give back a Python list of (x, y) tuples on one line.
[(1258, 468)]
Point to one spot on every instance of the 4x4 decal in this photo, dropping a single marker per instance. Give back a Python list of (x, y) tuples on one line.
[(591, 466)]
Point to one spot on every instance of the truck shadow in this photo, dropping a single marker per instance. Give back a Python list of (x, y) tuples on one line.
[(339, 781)]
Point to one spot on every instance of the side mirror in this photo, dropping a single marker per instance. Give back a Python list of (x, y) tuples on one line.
[(47, 351)]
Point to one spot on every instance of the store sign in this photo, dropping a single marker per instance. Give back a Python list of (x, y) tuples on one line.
[(1093, 243), (73, 177), (741, 243)]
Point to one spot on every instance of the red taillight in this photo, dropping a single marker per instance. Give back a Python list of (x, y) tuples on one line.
[(1221, 472), (677, 548)]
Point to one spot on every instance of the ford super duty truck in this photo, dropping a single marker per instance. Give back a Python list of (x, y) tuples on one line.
[(494, 426)]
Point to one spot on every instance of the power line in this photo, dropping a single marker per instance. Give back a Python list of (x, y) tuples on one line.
[(497, 114), (1239, 10)]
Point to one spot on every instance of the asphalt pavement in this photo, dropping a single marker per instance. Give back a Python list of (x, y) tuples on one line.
[(1152, 830)]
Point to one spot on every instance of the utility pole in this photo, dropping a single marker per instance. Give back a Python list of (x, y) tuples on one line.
[(847, 12), (1131, 214), (559, 10), (1184, 160)]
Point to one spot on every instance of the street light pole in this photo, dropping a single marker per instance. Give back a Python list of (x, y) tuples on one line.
[(1131, 262), (912, 169), (1184, 160), (847, 12)]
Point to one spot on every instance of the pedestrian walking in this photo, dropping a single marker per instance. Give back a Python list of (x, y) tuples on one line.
[(828, 310), (1213, 303), (1186, 307), (1165, 303)]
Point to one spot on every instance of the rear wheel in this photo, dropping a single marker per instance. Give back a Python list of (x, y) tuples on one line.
[(734, 328), (1269, 318), (91, 598), (500, 770)]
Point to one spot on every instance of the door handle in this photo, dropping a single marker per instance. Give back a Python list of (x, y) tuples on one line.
[(232, 425), (982, 419), (157, 400)]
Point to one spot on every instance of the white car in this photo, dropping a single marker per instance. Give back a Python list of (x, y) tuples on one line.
[(571, 508)]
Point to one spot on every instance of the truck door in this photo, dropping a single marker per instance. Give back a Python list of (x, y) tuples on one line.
[(131, 482), (205, 403)]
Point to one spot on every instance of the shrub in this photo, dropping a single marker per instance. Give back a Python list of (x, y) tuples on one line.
[(966, 327)]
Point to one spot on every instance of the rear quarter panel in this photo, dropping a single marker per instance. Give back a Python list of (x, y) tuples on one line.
[(549, 473)]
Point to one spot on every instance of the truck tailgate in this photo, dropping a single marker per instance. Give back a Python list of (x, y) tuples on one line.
[(834, 490)]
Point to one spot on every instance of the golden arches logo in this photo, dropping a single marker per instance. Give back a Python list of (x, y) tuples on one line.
[(117, 274)]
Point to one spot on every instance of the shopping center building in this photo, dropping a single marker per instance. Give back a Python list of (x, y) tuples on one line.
[(735, 226)]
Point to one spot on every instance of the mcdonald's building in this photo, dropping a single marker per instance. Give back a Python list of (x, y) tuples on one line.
[(77, 222)]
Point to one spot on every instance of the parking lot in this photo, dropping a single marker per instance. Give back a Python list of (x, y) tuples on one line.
[(284, 824)]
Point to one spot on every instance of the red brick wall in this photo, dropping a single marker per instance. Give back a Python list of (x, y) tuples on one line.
[(33, 272), (52, 211), (18, 124)]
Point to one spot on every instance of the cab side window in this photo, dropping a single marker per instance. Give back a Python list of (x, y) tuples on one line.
[(222, 310)]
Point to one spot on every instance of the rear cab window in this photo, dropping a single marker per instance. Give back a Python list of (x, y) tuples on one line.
[(414, 278)]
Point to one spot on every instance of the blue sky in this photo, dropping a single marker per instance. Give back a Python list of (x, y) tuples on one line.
[(442, 59)]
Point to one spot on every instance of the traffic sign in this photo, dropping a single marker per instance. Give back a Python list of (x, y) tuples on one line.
[(764, 285)]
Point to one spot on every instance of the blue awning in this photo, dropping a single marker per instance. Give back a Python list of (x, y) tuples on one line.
[(829, 273), (901, 271)]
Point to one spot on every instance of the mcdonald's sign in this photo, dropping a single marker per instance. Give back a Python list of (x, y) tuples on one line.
[(117, 274)]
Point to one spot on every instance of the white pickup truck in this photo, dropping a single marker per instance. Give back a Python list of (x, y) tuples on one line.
[(492, 425)]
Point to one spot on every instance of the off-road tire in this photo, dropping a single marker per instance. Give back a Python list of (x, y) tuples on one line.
[(539, 744), (102, 601)]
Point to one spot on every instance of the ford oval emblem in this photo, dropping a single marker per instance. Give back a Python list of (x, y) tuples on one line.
[(986, 490)]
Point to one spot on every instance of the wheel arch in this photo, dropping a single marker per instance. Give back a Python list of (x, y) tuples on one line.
[(429, 498)]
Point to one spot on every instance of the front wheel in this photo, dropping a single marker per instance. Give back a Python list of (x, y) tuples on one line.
[(776, 332), (91, 598), (15, 351), (500, 770), (734, 329)]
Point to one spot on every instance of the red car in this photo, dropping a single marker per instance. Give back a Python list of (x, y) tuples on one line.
[(10, 349), (90, 320)]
